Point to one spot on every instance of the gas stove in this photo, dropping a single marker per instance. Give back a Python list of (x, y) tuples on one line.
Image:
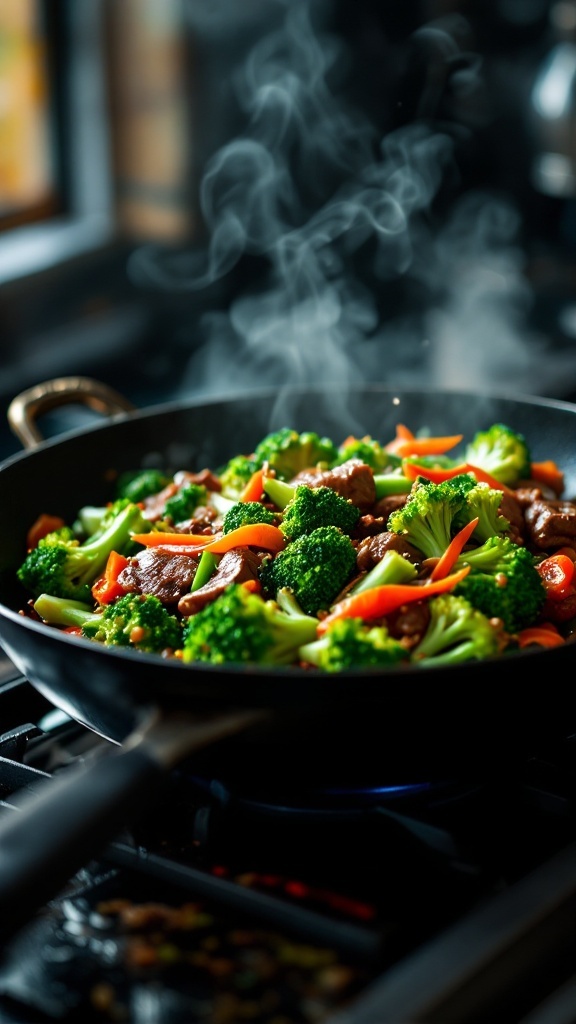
[(251, 890)]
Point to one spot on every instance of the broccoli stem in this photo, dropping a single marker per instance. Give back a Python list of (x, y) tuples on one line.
[(278, 491), (60, 611), (390, 483), (392, 568), (206, 566)]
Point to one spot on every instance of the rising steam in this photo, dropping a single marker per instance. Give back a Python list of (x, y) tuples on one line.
[(340, 219)]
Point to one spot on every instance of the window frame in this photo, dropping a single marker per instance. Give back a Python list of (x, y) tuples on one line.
[(77, 65)]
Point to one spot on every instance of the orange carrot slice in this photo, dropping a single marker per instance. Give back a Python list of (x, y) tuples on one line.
[(445, 564), (377, 602)]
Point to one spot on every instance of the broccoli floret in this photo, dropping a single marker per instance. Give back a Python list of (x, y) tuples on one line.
[(235, 474), (456, 631), (483, 502), (427, 519), (503, 582), (136, 620), (352, 644), (241, 626), (311, 507), (141, 484), (182, 505), (502, 452), (245, 513), (288, 452), (315, 566), (368, 450), (67, 568)]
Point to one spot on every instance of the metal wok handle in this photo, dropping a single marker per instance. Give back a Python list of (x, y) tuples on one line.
[(29, 405), (68, 820)]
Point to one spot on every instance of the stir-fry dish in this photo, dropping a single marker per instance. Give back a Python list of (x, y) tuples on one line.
[(411, 550)]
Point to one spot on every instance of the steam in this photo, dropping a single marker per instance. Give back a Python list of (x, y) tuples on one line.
[(341, 221)]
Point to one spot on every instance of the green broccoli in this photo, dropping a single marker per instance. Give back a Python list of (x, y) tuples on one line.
[(288, 452), (393, 482), (502, 452), (140, 484), (182, 505), (503, 582), (244, 513), (352, 644), (483, 502), (134, 620), (67, 568), (311, 507), (241, 626), (235, 474), (315, 566), (368, 450), (457, 631), (62, 611), (279, 491), (427, 519), (94, 520)]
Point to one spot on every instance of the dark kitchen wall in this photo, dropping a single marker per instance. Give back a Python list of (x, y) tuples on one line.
[(366, 175)]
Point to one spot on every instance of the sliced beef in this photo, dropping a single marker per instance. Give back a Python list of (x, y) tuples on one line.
[(511, 508), (353, 480), (372, 549), (205, 478), (409, 622), (386, 506), (167, 576), (551, 524), (236, 566)]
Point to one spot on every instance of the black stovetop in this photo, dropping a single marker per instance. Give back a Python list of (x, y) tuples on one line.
[(300, 900)]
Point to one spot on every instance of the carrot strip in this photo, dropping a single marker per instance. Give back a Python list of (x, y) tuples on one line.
[(445, 564), (257, 535), (43, 525), (254, 487), (402, 434), (106, 589), (426, 445), (557, 573), (436, 474), (377, 602), (545, 635), (548, 472)]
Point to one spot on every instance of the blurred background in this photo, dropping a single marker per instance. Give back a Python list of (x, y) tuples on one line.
[(201, 196)]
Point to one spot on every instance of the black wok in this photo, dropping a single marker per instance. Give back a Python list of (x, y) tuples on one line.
[(158, 712)]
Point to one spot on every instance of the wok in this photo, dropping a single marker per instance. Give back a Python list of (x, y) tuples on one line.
[(159, 712)]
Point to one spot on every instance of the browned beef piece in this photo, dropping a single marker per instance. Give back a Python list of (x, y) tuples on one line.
[(155, 503), (205, 478), (353, 480), (386, 506), (409, 622), (511, 508), (372, 549), (551, 524), (205, 520), (235, 566), (157, 572)]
